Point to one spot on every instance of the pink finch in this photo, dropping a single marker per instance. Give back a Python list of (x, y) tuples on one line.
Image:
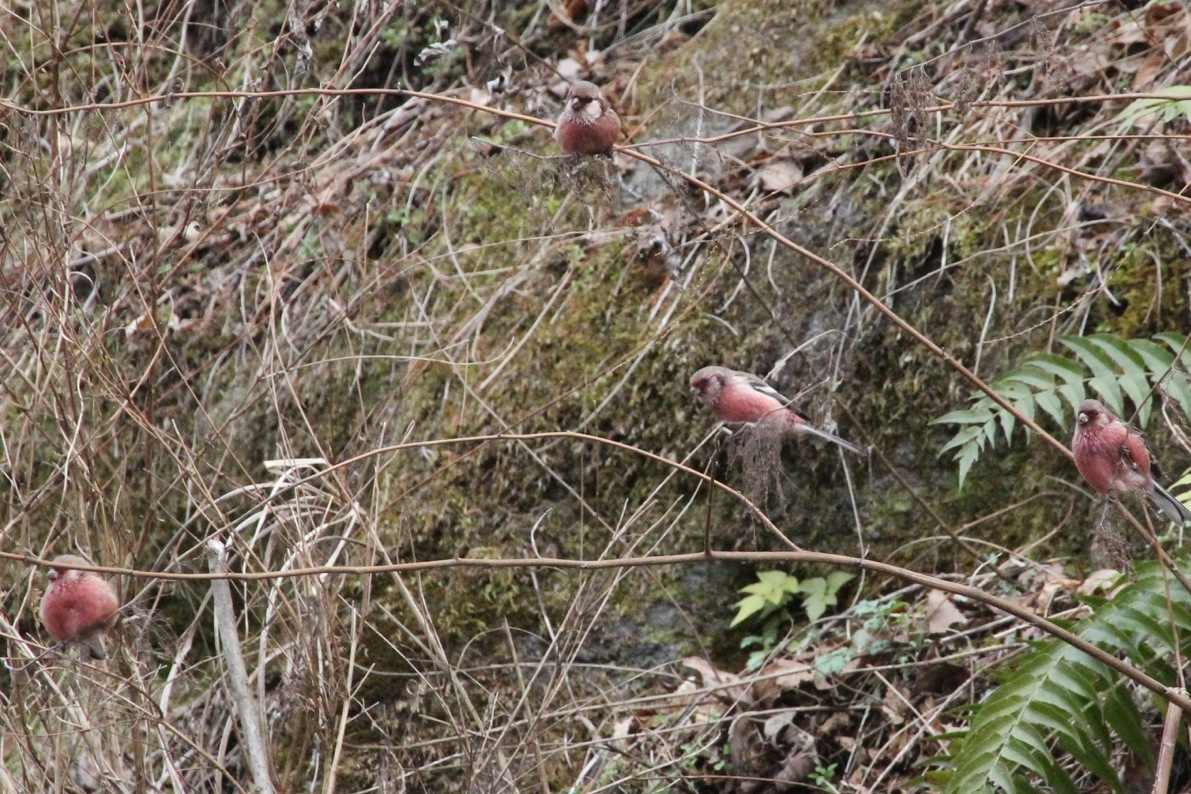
[(740, 398), (1113, 458), (78, 606), (588, 124)]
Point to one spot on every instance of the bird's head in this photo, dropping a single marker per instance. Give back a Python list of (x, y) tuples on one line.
[(57, 570), (707, 383), (585, 100), (1091, 414)]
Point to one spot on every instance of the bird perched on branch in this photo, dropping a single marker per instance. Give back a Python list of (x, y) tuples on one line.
[(78, 606), (738, 398), (588, 124), (1113, 458)]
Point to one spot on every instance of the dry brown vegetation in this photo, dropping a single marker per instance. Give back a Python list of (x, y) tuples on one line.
[(292, 290)]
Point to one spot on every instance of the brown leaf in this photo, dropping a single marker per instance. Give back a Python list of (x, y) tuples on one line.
[(744, 746), (1146, 70), (141, 323), (571, 10), (801, 759), (941, 613), (729, 686), (779, 176), (895, 704), (775, 725), (621, 729), (1088, 61), (1103, 579), (789, 673)]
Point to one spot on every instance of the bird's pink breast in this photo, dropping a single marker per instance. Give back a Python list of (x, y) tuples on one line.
[(576, 134), (74, 609), (1098, 458), (744, 404)]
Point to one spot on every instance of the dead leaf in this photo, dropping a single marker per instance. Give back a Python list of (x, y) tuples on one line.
[(620, 732), (801, 759), (1087, 61), (941, 613), (1103, 579), (839, 722), (1146, 70), (568, 69), (142, 323), (775, 724), (728, 686), (789, 673), (779, 176), (564, 15), (895, 704), (778, 114), (744, 748)]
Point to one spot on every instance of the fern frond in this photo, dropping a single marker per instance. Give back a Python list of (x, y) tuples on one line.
[(1058, 701), (1115, 369)]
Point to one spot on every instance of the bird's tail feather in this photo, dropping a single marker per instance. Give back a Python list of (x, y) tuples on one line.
[(1175, 510), (823, 434)]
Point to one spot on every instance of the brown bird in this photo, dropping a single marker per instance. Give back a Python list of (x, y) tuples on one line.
[(1113, 458), (588, 124), (78, 606), (738, 398)]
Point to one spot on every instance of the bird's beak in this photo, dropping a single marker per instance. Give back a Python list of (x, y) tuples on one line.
[(53, 574), (1083, 418)]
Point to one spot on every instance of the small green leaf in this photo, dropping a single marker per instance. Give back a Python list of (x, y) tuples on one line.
[(966, 417), (1158, 360), (1064, 368), (747, 607), (816, 599), (963, 437), (1074, 396), (1178, 388), (1008, 421), (1132, 377), (1049, 402), (1103, 369), (837, 579), (1178, 344), (967, 457), (1118, 350), (833, 661), (1026, 406), (1109, 392), (1034, 377), (1177, 103)]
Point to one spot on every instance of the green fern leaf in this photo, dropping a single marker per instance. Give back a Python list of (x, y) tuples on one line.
[(1049, 401), (1059, 700), (1178, 344), (1104, 376), (1131, 372), (1136, 372)]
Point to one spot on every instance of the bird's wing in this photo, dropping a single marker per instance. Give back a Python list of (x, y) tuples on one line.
[(758, 385), (1135, 454), (1126, 456)]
